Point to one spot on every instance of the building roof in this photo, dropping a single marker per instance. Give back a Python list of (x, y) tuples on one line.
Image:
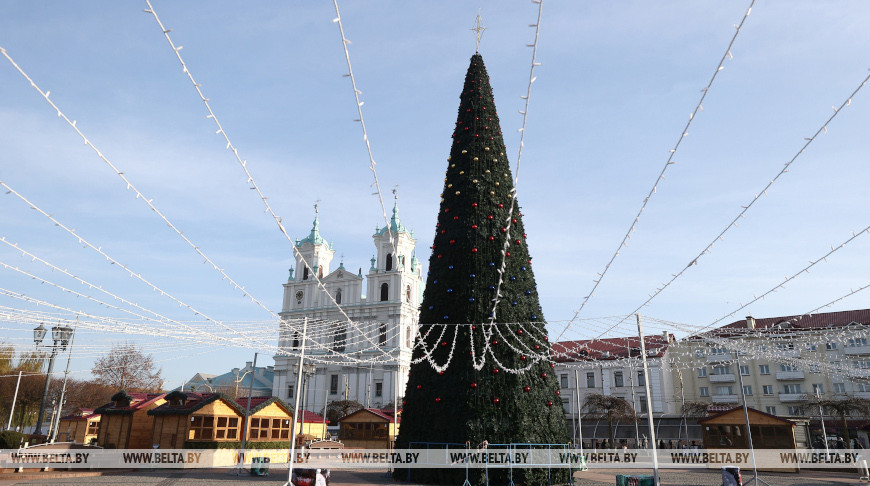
[(310, 417), (610, 348), (314, 237), (138, 401), (741, 419), (396, 225), (191, 402), (259, 403), (81, 414), (383, 413), (262, 377), (799, 323)]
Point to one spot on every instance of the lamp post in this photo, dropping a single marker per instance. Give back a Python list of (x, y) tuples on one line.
[(60, 335)]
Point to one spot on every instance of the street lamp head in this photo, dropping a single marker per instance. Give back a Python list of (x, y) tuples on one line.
[(39, 334), (65, 335)]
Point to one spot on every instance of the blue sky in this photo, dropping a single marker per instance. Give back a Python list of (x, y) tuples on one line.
[(615, 88)]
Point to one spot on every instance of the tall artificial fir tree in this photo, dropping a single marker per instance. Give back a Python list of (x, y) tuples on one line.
[(495, 387)]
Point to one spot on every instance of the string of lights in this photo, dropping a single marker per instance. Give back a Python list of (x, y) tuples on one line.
[(359, 104), (513, 195), (670, 161), (242, 163), (130, 186), (744, 209)]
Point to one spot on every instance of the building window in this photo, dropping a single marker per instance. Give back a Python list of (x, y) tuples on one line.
[(721, 370), (340, 342), (863, 387), (747, 390), (641, 378), (305, 273), (338, 296), (856, 342), (642, 403), (839, 388), (389, 263), (295, 339), (333, 384), (408, 294), (818, 388), (770, 410), (792, 389), (385, 292), (319, 272), (705, 392), (408, 337), (764, 369), (744, 370), (213, 428), (382, 335), (784, 367), (94, 427), (830, 345), (767, 389), (724, 390), (590, 379), (563, 381), (702, 372), (270, 428), (617, 379), (795, 410), (289, 391), (379, 389), (811, 346)]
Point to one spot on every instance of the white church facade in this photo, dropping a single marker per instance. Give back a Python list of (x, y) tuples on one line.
[(384, 305)]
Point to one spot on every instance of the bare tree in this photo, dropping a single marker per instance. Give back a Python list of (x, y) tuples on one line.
[(845, 407), (338, 409), (126, 367), (694, 409), (30, 363), (612, 409)]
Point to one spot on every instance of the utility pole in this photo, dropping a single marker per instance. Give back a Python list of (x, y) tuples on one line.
[(14, 399), (652, 432)]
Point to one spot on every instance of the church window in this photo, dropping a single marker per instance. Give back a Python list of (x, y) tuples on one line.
[(385, 292), (408, 337), (382, 335), (305, 273), (295, 339), (319, 272), (340, 342), (389, 262), (408, 294), (338, 296)]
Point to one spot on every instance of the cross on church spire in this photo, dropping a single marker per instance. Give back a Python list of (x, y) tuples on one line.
[(478, 30)]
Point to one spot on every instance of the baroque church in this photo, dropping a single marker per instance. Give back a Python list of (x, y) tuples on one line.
[(384, 304)]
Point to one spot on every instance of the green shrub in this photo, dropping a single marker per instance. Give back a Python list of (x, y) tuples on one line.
[(9, 439)]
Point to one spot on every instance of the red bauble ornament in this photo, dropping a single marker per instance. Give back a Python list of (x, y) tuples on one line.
[(441, 373), (404, 403), (495, 400), (474, 250), (439, 255), (523, 357), (504, 230), (517, 242), (552, 365), (456, 218), (537, 347), (543, 375), (495, 371), (473, 327), (558, 392), (520, 332), (446, 210), (489, 217), (491, 238), (474, 385), (495, 342), (419, 387), (500, 205), (452, 241), (443, 231), (507, 253), (527, 389), (549, 404), (514, 221), (474, 226), (474, 204), (438, 400)]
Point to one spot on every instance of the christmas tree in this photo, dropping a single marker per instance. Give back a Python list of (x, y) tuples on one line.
[(511, 395)]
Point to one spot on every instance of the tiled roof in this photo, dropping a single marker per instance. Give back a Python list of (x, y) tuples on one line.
[(138, 402), (310, 417), (81, 414), (824, 320), (610, 348), (259, 403), (193, 402)]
